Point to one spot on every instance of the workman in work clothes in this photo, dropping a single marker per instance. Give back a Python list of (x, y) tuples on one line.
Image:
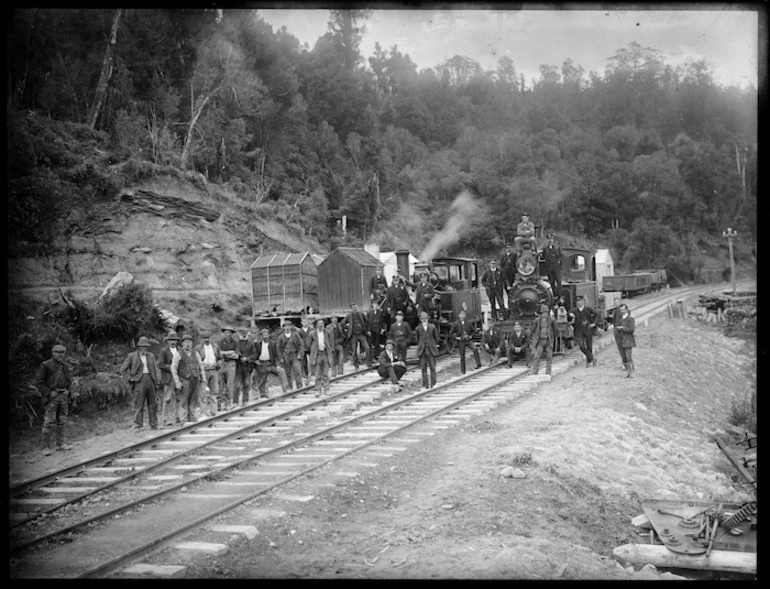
[(427, 349), (291, 348), (188, 372), (144, 378), (543, 336), (518, 345), (378, 286), (492, 342), (627, 340), (338, 362), (492, 280), (525, 233), (166, 356), (304, 330), (356, 326), (242, 388), (616, 321), (391, 366), (53, 383), (397, 298), (553, 261), (424, 294), (265, 360), (212, 362), (508, 269), (400, 333), (228, 347), (461, 333), (376, 321), (584, 322), (321, 344)]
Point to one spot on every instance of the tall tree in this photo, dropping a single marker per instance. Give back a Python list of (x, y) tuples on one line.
[(106, 73)]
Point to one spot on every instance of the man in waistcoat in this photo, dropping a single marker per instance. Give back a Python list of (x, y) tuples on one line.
[(518, 345), (543, 336), (208, 391), (265, 362), (492, 342), (168, 409), (356, 326), (626, 339), (290, 348), (553, 261), (585, 319), (376, 322), (390, 366), (492, 281), (243, 368), (461, 333), (53, 383), (400, 333), (321, 344), (508, 270), (228, 347), (144, 378), (187, 371), (427, 349)]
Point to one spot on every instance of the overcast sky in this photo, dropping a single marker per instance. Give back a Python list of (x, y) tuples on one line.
[(726, 39)]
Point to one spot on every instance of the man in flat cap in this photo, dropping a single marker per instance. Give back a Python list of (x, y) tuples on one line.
[(390, 365), (321, 344), (492, 280), (53, 382), (228, 347), (525, 233), (212, 364), (168, 410), (543, 336), (144, 377), (553, 261), (356, 326), (400, 333), (243, 369), (424, 294), (585, 319), (265, 360), (290, 348), (187, 370)]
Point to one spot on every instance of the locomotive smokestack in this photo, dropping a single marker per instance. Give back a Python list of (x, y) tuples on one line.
[(402, 263)]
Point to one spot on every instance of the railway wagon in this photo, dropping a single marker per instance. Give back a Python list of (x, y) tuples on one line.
[(284, 283), (343, 278), (629, 284), (659, 279)]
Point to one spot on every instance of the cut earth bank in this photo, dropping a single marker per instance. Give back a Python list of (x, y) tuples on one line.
[(593, 445)]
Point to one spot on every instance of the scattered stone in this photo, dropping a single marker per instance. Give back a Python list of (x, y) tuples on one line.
[(519, 474), (448, 506), (119, 280), (507, 472)]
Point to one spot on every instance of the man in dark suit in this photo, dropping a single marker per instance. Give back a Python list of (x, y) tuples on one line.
[(378, 286), (166, 356), (626, 339), (265, 361), (553, 261), (508, 269), (144, 378), (391, 366), (585, 320), (424, 294), (492, 280), (376, 324), (397, 298), (427, 349), (188, 373), (53, 382), (461, 333), (321, 344), (518, 345), (290, 348), (492, 343), (543, 336), (400, 333), (338, 363), (356, 326)]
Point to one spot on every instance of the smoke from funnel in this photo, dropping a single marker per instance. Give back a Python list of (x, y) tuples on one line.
[(462, 208)]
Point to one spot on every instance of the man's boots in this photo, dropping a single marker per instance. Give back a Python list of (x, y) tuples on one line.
[(630, 373), (60, 443), (47, 443)]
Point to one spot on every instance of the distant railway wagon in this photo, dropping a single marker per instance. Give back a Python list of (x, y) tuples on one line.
[(629, 284), (659, 279), (284, 283)]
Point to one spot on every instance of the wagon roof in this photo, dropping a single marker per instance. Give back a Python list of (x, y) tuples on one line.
[(281, 259), (361, 257)]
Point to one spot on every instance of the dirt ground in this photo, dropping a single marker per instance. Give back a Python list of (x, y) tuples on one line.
[(592, 443)]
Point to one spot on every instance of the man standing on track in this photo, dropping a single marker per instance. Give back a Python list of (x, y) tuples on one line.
[(321, 342), (209, 386), (492, 342), (168, 409), (338, 362), (144, 377), (265, 360), (291, 348), (242, 388), (53, 382), (626, 339), (228, 347), (356, 326), (462, 332), (543, 336), (518, 345), (400, 333), (187, 370), (585, 321), (375, 320), (427, 349)]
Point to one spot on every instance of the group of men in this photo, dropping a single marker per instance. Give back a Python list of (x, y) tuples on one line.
[(498, 280)]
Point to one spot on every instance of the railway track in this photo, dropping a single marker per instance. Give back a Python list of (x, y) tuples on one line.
[(183, 479)]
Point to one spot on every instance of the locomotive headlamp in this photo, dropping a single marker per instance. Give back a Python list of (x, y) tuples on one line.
[(526, 265)]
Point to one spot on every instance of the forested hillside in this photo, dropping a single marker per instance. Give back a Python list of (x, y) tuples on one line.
[(651, 160)]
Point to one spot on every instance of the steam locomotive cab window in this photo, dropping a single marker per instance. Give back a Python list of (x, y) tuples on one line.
[(577, 263)]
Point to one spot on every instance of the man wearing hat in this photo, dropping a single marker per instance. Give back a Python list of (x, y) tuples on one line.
[(492, 342), (400, 333), (508, 269), (356, 326), (168, 411), (427, 349), (290, 349), (305, 327), (461, 332), (53, 382), (625, 326), (518, 345), (424, 294), (525, 233), (584, 322), (390, 365), (338, 361), (492, 280), (187, 370), (376, 322), (212, 360), (378, 285), (243, 369), (321, 344), (543, 336), (553, 261), (144, 378), (397, 298), (228, 347), (265, 361)]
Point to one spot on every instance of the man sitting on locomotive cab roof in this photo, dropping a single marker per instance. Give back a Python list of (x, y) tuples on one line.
[(525, 232)]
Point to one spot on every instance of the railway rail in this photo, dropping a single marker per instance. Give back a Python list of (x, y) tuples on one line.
[(184, 478)]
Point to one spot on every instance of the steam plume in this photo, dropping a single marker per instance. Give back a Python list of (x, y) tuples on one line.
[(462, 208)]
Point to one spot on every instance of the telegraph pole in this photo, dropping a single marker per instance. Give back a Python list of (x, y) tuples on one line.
[(730, 234)]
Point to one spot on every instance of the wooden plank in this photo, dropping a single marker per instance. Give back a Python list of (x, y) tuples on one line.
[(660, 556)]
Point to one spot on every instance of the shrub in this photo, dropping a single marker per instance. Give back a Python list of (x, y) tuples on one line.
[(743, 412), (130, 311)]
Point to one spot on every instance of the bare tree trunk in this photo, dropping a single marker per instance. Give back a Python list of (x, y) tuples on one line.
[(196, 113), (106, 73)]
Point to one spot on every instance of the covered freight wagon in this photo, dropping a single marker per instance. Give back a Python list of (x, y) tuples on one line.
[(344, 278), (284, 284)]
